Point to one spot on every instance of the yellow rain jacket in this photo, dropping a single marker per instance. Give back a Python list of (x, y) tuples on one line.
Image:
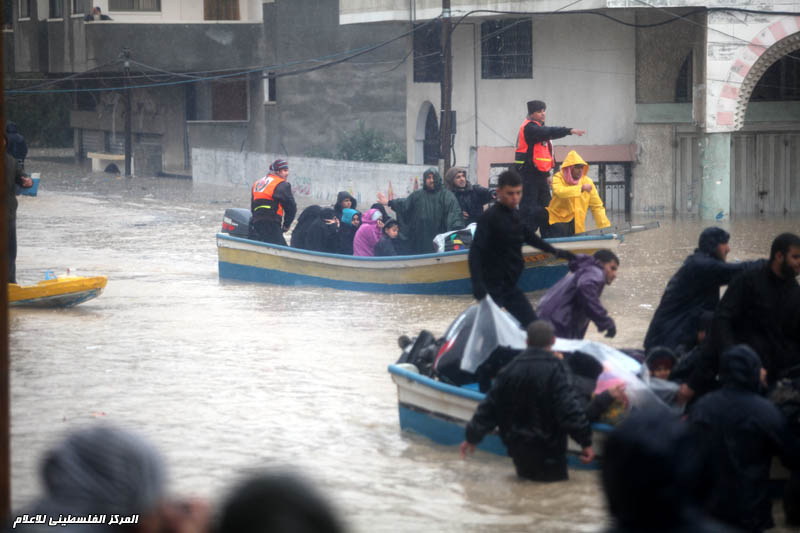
[(570, 202)]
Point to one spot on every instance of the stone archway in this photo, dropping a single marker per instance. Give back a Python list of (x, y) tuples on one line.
[(425, 138), (773, 42)]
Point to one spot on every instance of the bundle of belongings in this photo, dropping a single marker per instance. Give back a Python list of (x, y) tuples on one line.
[(484, 338), (459, 239)]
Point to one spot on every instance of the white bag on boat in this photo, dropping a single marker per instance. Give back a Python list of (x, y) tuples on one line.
[(440, 241)]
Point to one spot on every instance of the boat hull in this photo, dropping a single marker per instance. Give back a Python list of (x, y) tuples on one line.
[(440, 273), (65, 291), (440, 412)]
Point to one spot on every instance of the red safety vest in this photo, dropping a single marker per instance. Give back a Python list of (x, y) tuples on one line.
[(263, 190), (542, 151)]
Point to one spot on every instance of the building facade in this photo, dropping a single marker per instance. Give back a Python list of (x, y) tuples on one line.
[(235, 75), (691, 107)]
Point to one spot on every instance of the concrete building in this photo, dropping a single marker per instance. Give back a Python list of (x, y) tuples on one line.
[(233, 75), (692, 107)]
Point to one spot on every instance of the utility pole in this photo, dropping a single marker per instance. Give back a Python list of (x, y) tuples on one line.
[(126, 55), (446, 85)]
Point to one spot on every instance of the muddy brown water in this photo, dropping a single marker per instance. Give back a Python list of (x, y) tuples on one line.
[(229, 377)]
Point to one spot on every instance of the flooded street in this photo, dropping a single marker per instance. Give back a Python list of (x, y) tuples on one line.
[(228, 377)]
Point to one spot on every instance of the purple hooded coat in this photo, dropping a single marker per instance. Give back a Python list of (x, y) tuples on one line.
[(367, 235), (575, 299)]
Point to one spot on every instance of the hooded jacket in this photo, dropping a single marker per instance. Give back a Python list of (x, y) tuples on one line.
[(693, 289), (16, 143), (426, 213), (321, 236), (13, 178), (741, 432), (471, 198), (534, 404), (304, 221), (367, 235), (575, 300), (570, 202), (342, 195)]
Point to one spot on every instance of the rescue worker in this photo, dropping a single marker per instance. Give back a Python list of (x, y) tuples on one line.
[(534, 159), (534, 405), (495, 256), (692, 290), (272, 205), (574, 194)]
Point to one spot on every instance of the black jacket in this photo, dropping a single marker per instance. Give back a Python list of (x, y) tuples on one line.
[(533, 403), (346, 235), (338, 205), (741, 432), (385, 247), (16, 143), (535, 134), (304, 221), (757, 310), (321, 236), (472, 198), (495, 256), (694, 288), (283, 195)]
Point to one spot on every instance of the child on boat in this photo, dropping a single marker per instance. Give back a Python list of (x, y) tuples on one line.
[(386, 246)]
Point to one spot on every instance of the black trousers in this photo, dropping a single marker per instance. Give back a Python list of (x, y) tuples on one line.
[(267, 230), (516, 303), (538, 465), (561, 229), (535, 197), (12, 250)]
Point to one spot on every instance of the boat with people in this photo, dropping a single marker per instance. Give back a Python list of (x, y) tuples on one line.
[(436, 273), (61, 291)]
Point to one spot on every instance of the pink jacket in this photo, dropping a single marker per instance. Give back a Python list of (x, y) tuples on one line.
[(367, 236)]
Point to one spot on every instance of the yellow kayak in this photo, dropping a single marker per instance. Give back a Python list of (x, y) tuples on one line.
[(64, 291)]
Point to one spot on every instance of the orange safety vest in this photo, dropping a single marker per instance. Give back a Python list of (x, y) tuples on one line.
[(263, 190), (542, 151)]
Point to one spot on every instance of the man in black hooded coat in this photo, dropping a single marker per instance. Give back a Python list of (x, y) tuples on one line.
[(694, 288), (741, 432)]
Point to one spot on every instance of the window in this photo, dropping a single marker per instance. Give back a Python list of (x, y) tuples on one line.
[(79, 6), (428, 53), (224, 99), (780, 82), (683, 85), (56, 9), (221, 9), (270, 93), (134, 5), (506, 49), (24, 9)]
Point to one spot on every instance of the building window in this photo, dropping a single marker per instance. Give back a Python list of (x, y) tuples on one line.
[(221, 9), (56, 9), (8, 21), (270, 92), (506, 49), (24, 9), (683, 85), (428, 53), (780, 82), (80, 6), (224, 99), (134, 5)]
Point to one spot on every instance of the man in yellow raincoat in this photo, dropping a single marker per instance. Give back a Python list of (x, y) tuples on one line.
[(574, 194)]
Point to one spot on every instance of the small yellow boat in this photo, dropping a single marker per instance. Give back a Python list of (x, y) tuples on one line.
[(63, 291)]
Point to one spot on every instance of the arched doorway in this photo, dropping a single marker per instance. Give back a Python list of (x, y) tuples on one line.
[(427, 138), (764, 161)]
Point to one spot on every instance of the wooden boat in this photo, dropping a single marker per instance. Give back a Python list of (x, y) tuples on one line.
[(440, 412), (63, 291), (436, 273)]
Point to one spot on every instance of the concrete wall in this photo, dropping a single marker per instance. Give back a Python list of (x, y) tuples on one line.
[(574, 77), (315, 179), (314, 110)]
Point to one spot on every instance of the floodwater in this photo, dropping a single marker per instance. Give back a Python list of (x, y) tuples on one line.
[(226, 377)]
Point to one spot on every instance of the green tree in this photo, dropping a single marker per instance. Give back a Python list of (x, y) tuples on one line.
[(365, 144)]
